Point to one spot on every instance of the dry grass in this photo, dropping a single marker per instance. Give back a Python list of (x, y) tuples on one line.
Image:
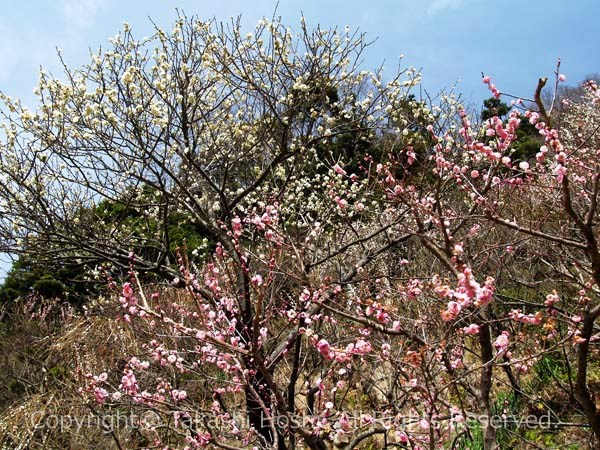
[(45, 362)]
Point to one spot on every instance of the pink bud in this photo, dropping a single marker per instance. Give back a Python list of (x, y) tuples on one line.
[(339, 170)]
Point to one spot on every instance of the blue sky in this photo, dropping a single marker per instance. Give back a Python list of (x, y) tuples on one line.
[(513, 41)]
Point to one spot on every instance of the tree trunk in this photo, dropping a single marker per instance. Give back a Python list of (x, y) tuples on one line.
[(582, 393), (485, 385)]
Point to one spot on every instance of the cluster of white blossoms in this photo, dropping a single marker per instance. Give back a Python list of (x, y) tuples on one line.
[(212, 119)]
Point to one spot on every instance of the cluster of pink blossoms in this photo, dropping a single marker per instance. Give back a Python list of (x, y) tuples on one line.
[(491, 86), (468, 292), (532, 319), (361, 347), (501, 343), (99, 393), (129, 302), (552, 144)]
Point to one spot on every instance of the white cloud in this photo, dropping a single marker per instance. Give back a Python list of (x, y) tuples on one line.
[(80, 14), (437, 6), (22, 54)]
